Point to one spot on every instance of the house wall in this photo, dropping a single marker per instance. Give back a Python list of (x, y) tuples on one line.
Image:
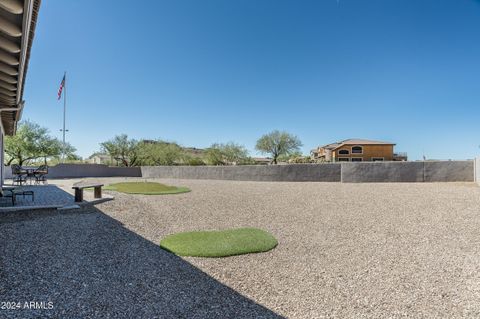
[(369, 151), (322, 152)]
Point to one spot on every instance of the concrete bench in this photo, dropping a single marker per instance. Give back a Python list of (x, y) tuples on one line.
[(79, 187)]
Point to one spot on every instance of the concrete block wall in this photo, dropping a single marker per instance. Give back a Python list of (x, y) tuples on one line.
[(367, 172), (449, 171), (292, 173), (438, 171), (380, 172), (86, 170)]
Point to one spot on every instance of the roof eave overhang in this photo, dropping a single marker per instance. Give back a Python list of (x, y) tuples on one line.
[(17, 28)]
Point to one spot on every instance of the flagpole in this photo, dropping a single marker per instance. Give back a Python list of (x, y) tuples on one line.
[(64, 112)]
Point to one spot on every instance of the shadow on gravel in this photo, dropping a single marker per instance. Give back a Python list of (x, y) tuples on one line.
[(89, 265)]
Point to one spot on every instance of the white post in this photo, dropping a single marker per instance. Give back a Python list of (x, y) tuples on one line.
[(64, 112), (476, 170), (2, 159)]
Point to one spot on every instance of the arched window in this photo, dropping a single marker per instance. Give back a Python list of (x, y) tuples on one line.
[(357, 149), (343, 152)]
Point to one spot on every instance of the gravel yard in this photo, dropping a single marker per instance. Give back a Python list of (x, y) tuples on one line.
[(345, 251)]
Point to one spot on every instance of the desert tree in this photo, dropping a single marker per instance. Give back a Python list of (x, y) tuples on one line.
[(226, 154), (122, 149), (278, 143), (32, 142), (158, 152)]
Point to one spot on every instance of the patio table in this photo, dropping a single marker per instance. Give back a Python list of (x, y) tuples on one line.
[(30, 174)]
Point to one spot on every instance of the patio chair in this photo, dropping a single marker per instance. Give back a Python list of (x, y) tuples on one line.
[(19, 175), (14, 192), (7, 193), (41, 174)]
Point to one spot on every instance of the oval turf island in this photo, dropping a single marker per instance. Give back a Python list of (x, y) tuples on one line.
[(146, 188), (219, 243)]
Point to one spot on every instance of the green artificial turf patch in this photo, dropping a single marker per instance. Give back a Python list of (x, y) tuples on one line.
[(221, 243), (145, 188)]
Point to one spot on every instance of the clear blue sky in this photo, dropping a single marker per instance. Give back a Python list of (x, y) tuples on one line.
[(199, 72)]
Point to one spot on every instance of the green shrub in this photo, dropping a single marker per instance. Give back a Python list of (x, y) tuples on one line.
[(195, 161)]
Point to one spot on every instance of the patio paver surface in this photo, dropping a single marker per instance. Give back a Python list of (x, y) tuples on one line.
[(45, 195)]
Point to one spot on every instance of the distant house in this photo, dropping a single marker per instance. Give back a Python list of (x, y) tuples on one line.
[(357, 150), (262, 160), (100, 159)]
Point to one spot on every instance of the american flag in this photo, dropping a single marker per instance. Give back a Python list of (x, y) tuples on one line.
[(61, 88)]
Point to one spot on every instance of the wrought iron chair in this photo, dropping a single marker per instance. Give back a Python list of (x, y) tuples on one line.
[(7, 193), (12, 193), (41, 174), (19, 175)]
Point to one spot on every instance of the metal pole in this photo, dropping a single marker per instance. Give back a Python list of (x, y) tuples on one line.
[(64, 112)]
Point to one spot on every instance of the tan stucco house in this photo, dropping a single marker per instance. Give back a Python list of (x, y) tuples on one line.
[(357, 150)]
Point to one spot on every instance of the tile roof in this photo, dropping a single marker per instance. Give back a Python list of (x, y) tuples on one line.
[(354, 141)]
